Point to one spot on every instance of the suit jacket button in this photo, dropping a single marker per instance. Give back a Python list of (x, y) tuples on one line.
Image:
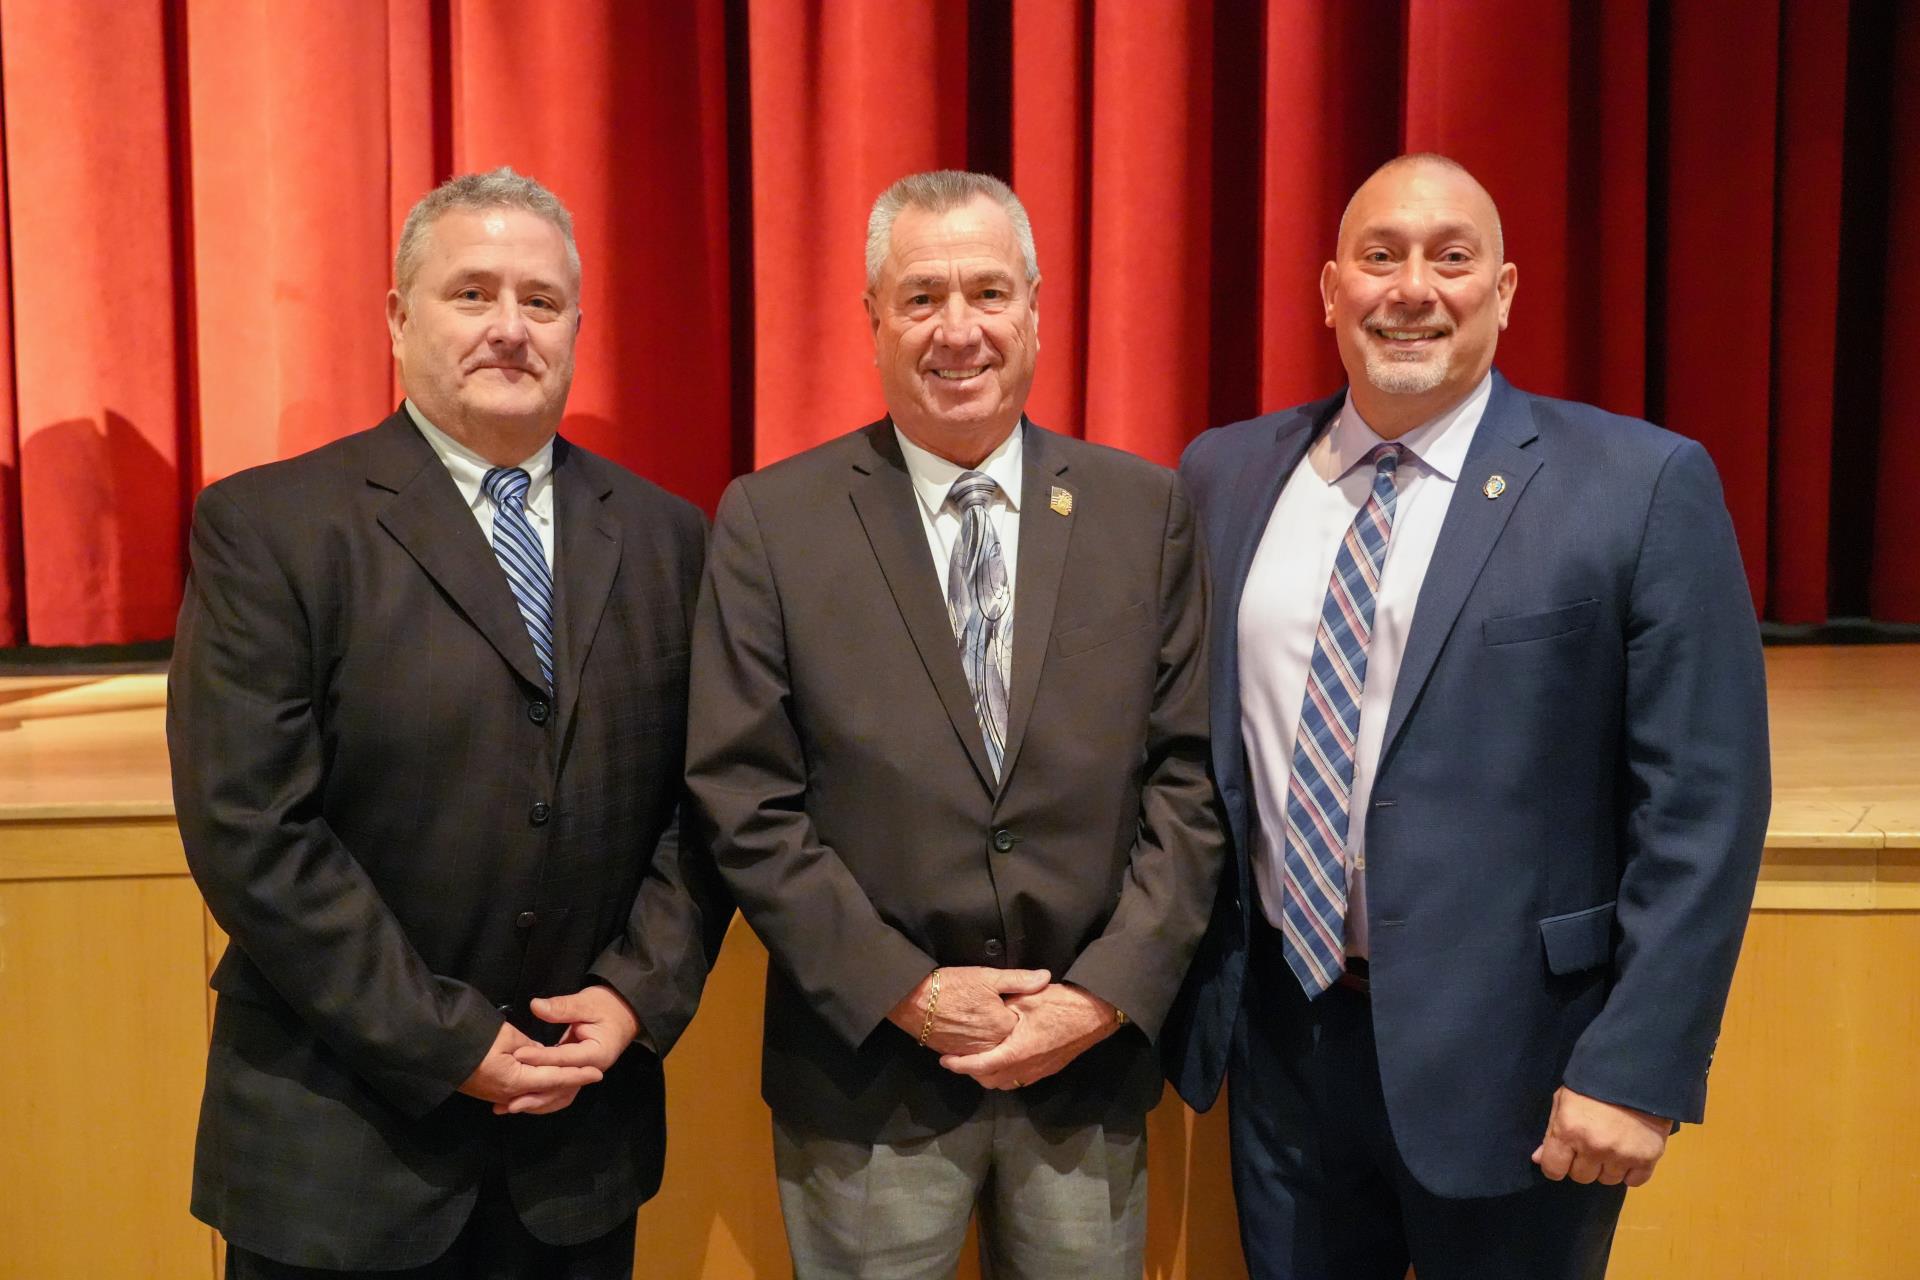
[(525, 920), (537, 712), (1003, 840), (994, 948), (539, 814)]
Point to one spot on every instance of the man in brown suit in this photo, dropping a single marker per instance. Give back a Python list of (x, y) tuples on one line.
[(948, 737), (427, 713)]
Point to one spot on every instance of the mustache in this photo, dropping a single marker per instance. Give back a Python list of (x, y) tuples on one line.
[(1413, 320)]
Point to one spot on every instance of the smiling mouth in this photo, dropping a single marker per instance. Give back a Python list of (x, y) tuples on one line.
[(1408, 335), (958, 375)]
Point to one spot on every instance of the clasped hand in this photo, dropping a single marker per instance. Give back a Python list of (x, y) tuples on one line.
[(1005, 1027), (521, 1076)]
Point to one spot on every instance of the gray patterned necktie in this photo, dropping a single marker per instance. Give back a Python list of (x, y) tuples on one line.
[(978, 600)]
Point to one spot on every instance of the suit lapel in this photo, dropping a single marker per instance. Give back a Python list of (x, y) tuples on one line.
[(1044, 534), (883, 498), (1473, 524), (428, 518), (586, 555)]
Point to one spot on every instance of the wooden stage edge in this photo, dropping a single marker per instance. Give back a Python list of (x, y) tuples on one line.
[(103, 933), (84, 790)]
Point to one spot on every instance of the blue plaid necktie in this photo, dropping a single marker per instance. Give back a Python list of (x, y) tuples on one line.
[(518, 547), (1314, 867), (978, 597)]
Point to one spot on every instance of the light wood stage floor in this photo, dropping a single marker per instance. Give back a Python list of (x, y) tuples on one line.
[(1803, 1170)]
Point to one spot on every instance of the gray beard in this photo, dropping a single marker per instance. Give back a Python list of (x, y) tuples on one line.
[(1404, 377)]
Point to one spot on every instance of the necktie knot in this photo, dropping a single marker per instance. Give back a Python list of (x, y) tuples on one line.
[(507, 486), (973, 489), (1386, 457)]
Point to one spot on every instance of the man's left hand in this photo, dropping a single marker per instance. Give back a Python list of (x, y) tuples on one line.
[(1056, 1025), (600, 1026), (1593, 1141)]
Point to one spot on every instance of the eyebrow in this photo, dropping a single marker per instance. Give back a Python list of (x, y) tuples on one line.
[(926, 282), (1445, 231), (488, 275)]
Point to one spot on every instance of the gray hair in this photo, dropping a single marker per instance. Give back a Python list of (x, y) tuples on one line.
[(474, 192), (1430, 159), (938, 192)]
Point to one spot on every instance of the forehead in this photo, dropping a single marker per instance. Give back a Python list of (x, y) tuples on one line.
[(975, 234), (1417, 200), (498, 239)]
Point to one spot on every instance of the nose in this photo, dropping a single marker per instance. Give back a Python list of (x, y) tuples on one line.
[(507, 326), (1413, 284), (959, 323)]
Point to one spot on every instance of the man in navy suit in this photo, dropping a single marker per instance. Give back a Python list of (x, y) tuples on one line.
[(1489, 724)]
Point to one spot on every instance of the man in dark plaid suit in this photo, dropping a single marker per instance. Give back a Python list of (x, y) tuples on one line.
[(427, 712)]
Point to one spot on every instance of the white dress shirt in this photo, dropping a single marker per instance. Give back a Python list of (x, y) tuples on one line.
[(1280, 614), (468, 469), (933, 477)]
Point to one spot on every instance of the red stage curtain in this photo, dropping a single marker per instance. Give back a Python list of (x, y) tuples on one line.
[(1709, 203)]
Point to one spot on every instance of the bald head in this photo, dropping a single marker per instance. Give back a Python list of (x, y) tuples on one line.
[(1417, 292), (1428, 160)]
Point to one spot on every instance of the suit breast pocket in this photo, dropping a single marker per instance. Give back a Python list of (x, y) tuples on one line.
[(1094, 634), (1560, 620)]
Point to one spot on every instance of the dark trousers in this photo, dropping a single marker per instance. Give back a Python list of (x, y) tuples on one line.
[(1321, 1188), (494, 1245)]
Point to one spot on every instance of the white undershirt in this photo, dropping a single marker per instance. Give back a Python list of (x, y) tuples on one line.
[(1280, 613), (468, 469), (933, 477)]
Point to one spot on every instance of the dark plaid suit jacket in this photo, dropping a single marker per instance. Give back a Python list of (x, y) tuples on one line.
[(408, 839)]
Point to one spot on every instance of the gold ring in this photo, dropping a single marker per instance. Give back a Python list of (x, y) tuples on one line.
[(1017, 1084)]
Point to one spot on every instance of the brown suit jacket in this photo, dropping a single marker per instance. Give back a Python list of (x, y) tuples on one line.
[(836, 763), (407, 840)]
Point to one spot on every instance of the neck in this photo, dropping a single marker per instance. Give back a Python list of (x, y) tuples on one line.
[(1391, 416), (963, 448), (502, 442)]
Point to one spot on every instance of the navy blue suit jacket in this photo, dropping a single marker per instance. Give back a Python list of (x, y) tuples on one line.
[(1567, 818)]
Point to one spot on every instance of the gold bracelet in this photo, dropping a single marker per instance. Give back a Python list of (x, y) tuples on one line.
[(933, 1002)]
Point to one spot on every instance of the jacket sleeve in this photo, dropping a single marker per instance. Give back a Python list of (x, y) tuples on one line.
[(1697, 794), (1139, 958), (748, 775), (248, 778)]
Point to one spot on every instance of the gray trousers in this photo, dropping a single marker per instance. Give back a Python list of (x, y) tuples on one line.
[(1053, 1205)]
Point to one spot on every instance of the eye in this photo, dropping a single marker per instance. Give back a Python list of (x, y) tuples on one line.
[(1456, 256), (470, 294), (920, 300), (1379, 256)]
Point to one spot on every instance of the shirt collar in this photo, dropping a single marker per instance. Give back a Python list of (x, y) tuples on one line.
[(933, 475), (468, 468), (1438, 444)]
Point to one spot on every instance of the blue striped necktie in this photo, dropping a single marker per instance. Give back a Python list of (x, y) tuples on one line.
[(518, 547), (1314, 866), (978, 597)]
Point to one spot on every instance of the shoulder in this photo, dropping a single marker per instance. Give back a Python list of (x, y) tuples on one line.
[(305, 489), (634, 498), (1607, 447), (1103, 463), (805, 483)]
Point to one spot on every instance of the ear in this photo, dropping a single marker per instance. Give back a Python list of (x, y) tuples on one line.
[(1033, 309), (872, 305), (396, 319), (1505, 283), (1329, 286)]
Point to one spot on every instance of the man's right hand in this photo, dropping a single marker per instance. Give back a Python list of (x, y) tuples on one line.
[(972, 1014), (500, 1077)]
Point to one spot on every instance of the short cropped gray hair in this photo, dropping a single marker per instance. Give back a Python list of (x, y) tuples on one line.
[(473, 192), (938, 192)]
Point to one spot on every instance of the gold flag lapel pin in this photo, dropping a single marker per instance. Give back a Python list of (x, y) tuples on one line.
[(1061, 501)]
